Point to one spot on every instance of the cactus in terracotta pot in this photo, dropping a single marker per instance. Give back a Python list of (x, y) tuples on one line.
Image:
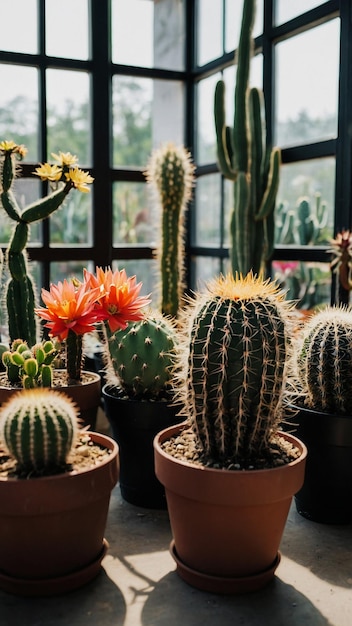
[(38, 427), (171, 172), (64, 175), (32, 366), (231, 385), (141, 357), (323, 361), (245, 158)]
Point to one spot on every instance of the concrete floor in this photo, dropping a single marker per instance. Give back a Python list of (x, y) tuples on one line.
[(138, 585)]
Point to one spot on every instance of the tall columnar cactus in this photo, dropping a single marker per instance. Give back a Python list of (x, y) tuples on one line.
[(39, 427), (141, 357), (232, 386), (246, 159), (171, 172), (323, 360), (20, 297)]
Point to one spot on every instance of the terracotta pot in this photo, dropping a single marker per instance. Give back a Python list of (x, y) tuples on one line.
[(326, 495), (87, 395), (226, 525), (52, 528), (134, 424)]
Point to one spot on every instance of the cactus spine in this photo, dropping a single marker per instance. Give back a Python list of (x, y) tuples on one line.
[(232, 385), (142, 356), (323, 361), (20, 297), (171, 172), (39, 427), (244, 158)]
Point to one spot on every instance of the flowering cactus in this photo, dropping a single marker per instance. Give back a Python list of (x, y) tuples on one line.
[(231, 385), (65, 175)]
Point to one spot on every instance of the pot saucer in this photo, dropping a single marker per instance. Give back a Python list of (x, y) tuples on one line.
[(224, 585), (53, 586)]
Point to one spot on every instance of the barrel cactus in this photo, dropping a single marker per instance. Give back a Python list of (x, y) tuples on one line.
[(231, 386), (38, 427), (171, 172), (141, 357), (323, 361)]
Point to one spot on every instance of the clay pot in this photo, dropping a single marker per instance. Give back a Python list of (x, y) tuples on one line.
[(134, 424), (227, 525), (87, 395), (52, 528), (326, 495)]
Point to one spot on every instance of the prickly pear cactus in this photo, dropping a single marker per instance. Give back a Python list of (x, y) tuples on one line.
[(323, 360), (171, 172), (38, 427), (142, 357), (232, 385)]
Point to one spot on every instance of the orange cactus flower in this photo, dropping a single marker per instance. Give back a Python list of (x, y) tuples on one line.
[(120, 301), (70, 307)]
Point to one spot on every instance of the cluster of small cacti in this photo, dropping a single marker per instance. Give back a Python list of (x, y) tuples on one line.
[(231, 386), (31, 366), (171, 172), (142, 356), (20, 295), (38, 427), (323, 361), (245, 159), (303, 225)]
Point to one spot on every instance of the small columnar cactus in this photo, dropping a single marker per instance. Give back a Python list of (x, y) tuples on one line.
[(38, 427), (232, 384), (171, 172), (245, 158), (65, 175), (323, 361), (31, 366), (141, 357)]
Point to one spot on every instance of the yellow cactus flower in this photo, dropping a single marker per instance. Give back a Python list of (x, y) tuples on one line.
[(65, 158), (49, 172), (79, 179), (11, 146)]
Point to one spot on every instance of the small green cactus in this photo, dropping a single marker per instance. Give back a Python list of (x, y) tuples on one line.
[(231, 385), (65, 175), (31, 366), (246, 159), (323, 361), (171, 172), (141, 357), (38, 427)]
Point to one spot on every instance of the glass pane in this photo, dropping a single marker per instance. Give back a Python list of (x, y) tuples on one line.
[(132, 215), (287, 10), (305, 203), (69, 123), (59, 270), (209, 30), (207, 208), (205, 127), (158, 27), (204, 269), (306, 101), (72, 223), (233, 22), (67, 38), (26, 191), (145, 271), (132, 106), (309, 284), (19, 20), (19, 107)]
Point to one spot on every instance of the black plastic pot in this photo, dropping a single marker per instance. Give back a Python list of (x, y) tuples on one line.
[(134, 424), (326, 495)]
